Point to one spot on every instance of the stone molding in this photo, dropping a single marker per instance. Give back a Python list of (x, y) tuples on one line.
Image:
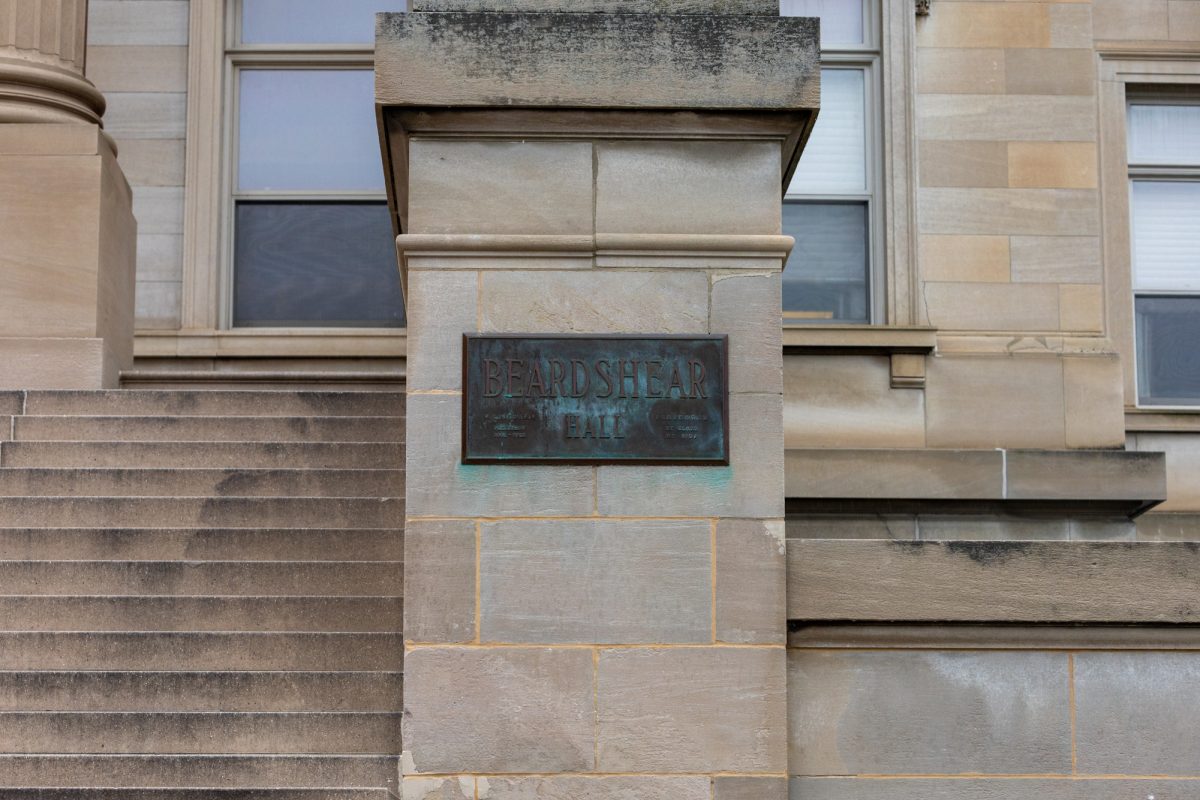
[(993, 582), (31, 91), (994, 637), (1081, 482)]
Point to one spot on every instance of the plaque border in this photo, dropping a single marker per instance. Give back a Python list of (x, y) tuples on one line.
[(723, 338)]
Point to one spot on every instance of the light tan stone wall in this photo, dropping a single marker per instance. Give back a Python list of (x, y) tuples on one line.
[(137, 56), (615, 630)]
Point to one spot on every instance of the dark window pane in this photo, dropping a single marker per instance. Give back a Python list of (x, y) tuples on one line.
[(1168, 330), (825, 279), (315, 264)]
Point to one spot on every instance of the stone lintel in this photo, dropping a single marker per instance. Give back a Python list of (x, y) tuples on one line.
[(767, 8), (566, 60), (993, 582)]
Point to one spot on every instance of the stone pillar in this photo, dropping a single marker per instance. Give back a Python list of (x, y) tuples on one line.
[(66, 219), (605, 631)]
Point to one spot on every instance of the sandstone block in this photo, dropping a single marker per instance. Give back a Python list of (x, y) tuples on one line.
[(1053, 165), (960, 70), (990, 789), (965, 258), (439, 581), (986, 25), (1024, 408), (1050, 72), (499, 710), (964, 164), (846, 401), (1033, 212), (594, 302), (1056, 259), (730, 787), (601, 787), (751, 581), (1130, 19), (1135, 713), (992, 306), (500, 187), (999, 117), (1095, 401), (687, 187), (441, 307), (438, 485), (692, 710), (596, 581), (896, 712), (747, 308)]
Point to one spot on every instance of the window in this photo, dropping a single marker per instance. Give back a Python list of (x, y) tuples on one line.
[(831, 207), (1164, 197), (310, 240)]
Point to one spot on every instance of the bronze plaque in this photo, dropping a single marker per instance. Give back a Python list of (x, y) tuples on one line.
[(604, 399)]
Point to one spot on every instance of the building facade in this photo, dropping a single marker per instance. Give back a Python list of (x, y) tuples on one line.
[(953, 554)]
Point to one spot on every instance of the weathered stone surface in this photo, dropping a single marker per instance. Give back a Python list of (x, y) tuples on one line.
[(852, 526), (438, 485), (597, 60), (1024, 409), (730, 787), (1086, 475), (1082, 788), (943, 474), (592, 581), (594, 302), (763, 7), (751, 581), (912, 713), (215, 772), (981, 528), (601, 787), (438, 788), (752, 486), (499, 710), (1136, 713), (692, 710), (439, 581), (747, 309), (1129, 582), (846, 401), (687, 187), (499, 187), (441, 307)]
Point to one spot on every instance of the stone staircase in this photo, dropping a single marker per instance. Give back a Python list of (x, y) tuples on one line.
[(200, 594)]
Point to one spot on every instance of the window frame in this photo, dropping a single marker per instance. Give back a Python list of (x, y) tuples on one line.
[(868, 57), (1132, 72), (205, 309), (1157, 173)]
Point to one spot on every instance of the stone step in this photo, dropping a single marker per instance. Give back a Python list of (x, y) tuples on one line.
[(202, 455), (208, 429), (207, 772), (39, 612), (107, 482), (243, 578), (195, 652), (201, 544), (199, 733), (201, 691), (197, 794), (200, 512), (288, 403)]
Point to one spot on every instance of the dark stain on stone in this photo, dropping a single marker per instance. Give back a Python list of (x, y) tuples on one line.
[(989, 554)]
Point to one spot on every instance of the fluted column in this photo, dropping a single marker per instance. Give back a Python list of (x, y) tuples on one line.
[(42, 49)]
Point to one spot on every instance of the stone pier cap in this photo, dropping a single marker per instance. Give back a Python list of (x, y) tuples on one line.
[(688, 69)]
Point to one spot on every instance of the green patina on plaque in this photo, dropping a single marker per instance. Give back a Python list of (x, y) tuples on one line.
[(603, 399)]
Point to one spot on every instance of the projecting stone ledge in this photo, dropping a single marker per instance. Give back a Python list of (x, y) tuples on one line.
[(1076, 482), (597, 61), (768, 8)]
